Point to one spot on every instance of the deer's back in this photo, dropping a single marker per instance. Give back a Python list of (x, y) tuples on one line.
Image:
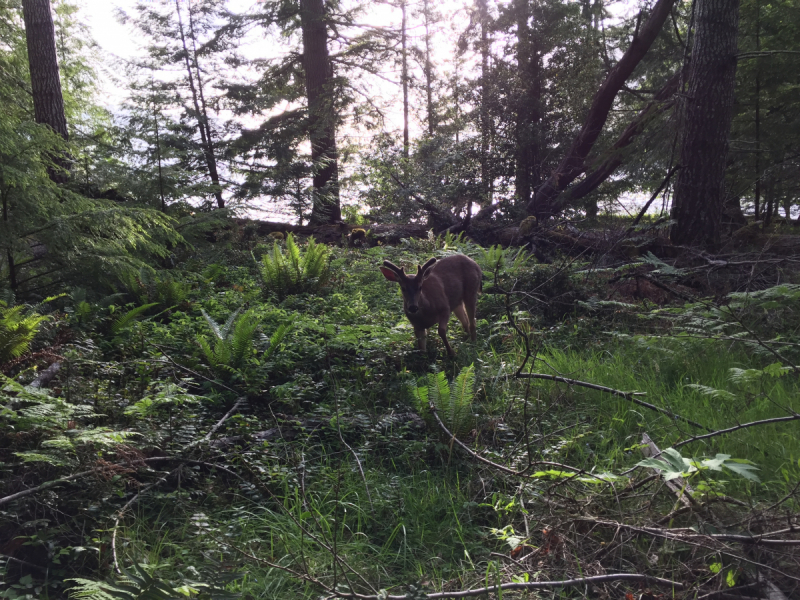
[(456, 277)]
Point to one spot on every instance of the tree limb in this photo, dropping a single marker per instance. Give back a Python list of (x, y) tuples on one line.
[(660, 103), (572, 165)]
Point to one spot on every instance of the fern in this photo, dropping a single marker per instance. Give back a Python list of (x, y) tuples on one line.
[(56, 424), (453, 402), (232, 342), (138, 584), (280, 334), (129, 317), (17, 330), (296, 271)]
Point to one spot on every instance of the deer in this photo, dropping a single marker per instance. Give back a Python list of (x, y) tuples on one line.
[(440, 287)]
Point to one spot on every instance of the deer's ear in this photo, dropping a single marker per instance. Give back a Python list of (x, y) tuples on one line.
[(389, 274)]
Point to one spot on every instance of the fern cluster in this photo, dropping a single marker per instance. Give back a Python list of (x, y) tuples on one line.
[(297, 271), (231, 343), (18, 327), (149, 286), (139, 584), (453, 402), (61, 428)]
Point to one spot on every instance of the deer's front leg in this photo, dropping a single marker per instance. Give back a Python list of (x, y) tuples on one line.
[(422, 337), (443, 335)]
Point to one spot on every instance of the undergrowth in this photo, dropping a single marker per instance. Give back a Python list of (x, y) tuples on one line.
[(330, 469)]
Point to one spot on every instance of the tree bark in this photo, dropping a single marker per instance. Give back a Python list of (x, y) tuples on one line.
[(404, 78), (758, 115), (527, 173), (699, 187), (206, 140), (486, 176), (48, 100), (321, 113), (544, 203)]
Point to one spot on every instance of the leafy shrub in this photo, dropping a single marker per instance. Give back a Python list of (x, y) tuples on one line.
[(296, 271), (17, 330), (453, 403)]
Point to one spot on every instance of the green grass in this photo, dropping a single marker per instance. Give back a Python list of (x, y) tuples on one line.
[(338, 387)]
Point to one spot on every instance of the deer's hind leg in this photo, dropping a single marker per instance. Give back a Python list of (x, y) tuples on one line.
[(461, 314), (470, 305)]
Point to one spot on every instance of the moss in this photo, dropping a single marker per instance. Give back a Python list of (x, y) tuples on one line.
[(528, 224)]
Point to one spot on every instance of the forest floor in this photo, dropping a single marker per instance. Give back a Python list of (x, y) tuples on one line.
[(624, 427)]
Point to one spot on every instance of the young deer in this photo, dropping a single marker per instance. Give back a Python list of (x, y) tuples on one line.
[(439, 288)]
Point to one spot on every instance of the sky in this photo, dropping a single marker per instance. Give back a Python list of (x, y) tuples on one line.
[(122, 41)]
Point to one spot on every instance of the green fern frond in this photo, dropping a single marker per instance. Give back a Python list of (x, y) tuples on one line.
[(205, 348), (297, 271), (17, 330), (242, 340), (213, 325), (453, 403), (277, 338), (233, 341), (129, 317), (226, 329)]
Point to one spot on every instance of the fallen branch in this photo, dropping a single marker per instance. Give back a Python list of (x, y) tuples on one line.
[(503, 468), (532, 585), (685, 534), (794, 417), (108, 467)]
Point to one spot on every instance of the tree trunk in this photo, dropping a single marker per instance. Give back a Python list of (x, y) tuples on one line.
[(404, 78), (321, 113), (572, 165), (486, 177), (206, 140), (699, 187), (158, 157), (527, 173), (48, 101), (428, 70), (758, 115)]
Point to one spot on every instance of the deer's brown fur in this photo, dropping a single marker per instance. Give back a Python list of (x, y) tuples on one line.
[(440, 287)]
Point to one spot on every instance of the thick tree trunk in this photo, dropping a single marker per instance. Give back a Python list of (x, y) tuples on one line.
[(206, 140), (48, 101), (321, 113), (486, 176), (544, 202), (699, 187), (528, 166)]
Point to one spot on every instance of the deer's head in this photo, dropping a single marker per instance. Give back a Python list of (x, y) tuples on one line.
[(410, 285)]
